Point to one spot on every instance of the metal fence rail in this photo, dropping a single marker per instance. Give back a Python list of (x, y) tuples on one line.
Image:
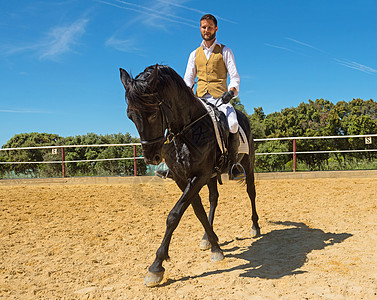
[(63, 161), (135, 158), (294, 153), (317, 137)]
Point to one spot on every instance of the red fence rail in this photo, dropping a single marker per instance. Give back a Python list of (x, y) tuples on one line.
[(294, 153)]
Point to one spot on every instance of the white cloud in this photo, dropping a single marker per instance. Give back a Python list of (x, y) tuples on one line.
[(125, 45), (20, 111), (280, 47), (173, 3), (58, 41), (354, 65), (158, 14), (343, 62), (61, 39), (305, 44)]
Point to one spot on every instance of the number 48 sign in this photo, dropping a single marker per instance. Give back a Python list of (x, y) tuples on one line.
[(368, 140)]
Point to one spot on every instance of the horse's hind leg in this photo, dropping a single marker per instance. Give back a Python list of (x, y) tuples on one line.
[(250, 183), (213, 199)]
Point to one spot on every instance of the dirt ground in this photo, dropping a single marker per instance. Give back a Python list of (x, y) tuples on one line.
[(319, 241)]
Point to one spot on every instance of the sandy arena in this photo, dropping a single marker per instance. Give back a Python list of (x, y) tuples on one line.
[(96, 241)]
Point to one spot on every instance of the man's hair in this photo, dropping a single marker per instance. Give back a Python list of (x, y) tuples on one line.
[(209, 17)]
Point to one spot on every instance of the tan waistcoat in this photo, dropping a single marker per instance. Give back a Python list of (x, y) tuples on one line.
[(211, 73)]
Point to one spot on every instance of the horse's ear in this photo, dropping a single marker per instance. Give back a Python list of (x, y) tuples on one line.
[(124, 77), (153, 78)]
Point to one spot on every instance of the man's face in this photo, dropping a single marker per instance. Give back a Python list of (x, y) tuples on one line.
[(208, 30)]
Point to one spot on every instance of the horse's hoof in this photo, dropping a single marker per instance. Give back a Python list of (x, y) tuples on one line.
[(255, 232), (217, 256), (153, 279), (205, 245)]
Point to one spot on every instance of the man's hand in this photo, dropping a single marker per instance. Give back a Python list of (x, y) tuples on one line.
[(227, 96)]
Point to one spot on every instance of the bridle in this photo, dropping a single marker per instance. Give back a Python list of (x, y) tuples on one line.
[(163, 137), (169, 136)]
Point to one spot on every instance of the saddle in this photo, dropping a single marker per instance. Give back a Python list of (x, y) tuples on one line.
[(221, 132)]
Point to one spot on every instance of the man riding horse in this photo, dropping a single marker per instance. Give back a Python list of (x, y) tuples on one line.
[(210, 63)]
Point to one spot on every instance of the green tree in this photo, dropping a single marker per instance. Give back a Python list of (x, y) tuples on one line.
[(4, 168), (272, 162), (323, 118), (258, 127), (88, 167), (33, 139), (120, 167)]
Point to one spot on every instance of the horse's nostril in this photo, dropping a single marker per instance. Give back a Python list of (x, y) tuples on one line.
[(157, 158)]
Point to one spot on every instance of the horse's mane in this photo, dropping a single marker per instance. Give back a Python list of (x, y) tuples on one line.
[(170, 85)]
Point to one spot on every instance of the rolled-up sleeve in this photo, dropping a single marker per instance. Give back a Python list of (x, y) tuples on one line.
[(190, 73)]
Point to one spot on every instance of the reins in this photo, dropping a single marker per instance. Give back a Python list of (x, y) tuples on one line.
[(169, 136), (189, 125)]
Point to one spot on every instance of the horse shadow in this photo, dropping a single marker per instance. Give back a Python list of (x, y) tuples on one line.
[(279, 253), (283, 252)]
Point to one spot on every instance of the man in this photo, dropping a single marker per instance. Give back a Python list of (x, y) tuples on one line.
[(211, 63)]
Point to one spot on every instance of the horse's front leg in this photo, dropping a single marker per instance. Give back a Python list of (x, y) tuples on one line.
[(213, 199), (156, 270)]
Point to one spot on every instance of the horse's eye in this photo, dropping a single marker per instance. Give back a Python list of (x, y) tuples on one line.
[(153, 116)]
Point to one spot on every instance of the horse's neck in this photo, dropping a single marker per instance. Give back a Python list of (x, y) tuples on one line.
[(186, 109)]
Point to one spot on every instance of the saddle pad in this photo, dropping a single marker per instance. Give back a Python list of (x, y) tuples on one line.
[(244, 145)]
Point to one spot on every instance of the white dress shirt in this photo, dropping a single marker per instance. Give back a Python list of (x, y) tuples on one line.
[(230, 64)]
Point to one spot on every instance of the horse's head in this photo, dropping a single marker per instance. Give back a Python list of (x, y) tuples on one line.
[(144, 109)]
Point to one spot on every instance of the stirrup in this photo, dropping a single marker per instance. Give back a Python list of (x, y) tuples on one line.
[(242, 175), (159, 172)]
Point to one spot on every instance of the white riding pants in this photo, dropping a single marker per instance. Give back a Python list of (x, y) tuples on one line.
[(228, 110)]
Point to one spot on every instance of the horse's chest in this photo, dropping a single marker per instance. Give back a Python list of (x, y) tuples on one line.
[(180, 155), (184, 155), (192, 151)]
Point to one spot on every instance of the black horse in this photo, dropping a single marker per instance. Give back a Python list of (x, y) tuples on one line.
[(174, 125)]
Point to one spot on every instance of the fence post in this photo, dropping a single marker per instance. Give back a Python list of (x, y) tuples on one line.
[(63, 162), (135, 165), (294, 155)]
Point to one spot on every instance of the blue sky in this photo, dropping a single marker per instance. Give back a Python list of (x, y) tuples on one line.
[(59, 60)]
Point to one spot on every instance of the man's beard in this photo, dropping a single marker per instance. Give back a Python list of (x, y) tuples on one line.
[(209, 38)]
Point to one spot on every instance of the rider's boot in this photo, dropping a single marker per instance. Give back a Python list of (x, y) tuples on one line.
[(164, 174), (236, 171)]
